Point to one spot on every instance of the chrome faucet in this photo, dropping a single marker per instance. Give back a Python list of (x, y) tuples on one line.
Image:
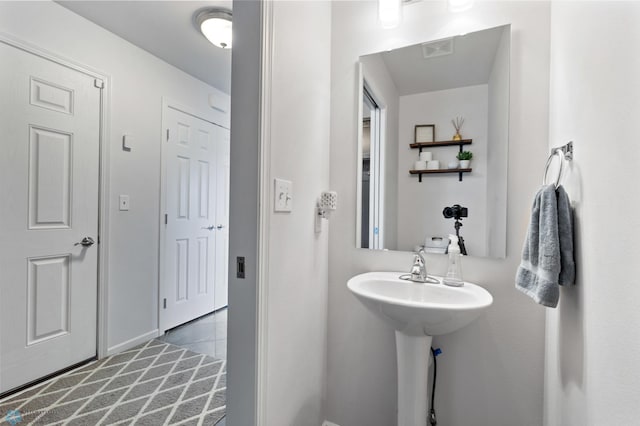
[(419, 269)]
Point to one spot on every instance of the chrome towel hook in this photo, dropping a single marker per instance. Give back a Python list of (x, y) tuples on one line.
[(565, 153)]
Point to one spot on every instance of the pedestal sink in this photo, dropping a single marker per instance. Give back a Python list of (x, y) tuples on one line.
[(417, 311)]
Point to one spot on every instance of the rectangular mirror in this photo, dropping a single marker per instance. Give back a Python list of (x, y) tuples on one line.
[(422, 109)]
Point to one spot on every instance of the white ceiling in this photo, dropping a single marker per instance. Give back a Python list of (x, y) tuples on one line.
[(166, 30), (469, 64)]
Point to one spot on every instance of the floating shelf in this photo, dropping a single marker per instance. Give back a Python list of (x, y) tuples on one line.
[(439, 171), (421, 145)]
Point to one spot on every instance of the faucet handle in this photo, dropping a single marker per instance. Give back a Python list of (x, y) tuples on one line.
[(418, 270)]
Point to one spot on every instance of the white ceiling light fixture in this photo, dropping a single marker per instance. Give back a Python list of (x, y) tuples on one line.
[(215, 25), (389, 13), (460, 5)]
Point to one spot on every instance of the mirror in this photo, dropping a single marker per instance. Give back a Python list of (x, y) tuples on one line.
[(420, 107)]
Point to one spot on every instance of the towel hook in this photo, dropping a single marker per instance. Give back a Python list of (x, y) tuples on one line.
[(566, 154)]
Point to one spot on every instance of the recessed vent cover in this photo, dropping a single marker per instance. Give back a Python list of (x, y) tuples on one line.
[(437, 48)]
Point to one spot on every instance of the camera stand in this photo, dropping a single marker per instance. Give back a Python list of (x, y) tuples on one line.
[(458, 225)]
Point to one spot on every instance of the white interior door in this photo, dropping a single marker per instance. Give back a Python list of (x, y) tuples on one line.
[(188, 260), (49, 165), (222, 219)]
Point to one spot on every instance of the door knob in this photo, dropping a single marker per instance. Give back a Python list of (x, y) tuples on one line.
[(86, 242), (220, 226), (210, 228)]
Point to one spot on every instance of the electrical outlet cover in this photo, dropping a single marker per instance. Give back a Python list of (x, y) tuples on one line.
[(124, 202)]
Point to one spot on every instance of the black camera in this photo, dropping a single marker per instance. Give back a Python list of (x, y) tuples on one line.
[(456, 211)]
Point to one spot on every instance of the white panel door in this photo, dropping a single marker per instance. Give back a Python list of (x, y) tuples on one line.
[(49, 165), (188, 265), (222, 219)]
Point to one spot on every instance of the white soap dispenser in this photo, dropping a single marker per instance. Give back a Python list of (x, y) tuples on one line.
[(454, 272)]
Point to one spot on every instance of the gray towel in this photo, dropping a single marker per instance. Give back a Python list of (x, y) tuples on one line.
[(547, 256), (565, 235)]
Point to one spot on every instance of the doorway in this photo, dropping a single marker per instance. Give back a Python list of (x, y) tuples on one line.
[(371, 182)]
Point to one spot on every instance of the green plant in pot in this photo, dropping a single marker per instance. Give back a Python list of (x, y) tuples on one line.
[(465, 159)]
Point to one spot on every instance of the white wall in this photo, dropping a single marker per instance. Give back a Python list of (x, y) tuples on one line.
[(375, 73), (138, 81), (421, 203), (593, 347), (297, 257), (490, 372)]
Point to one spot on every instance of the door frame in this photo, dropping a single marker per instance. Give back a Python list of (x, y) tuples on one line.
[(103, 176), (200, 114)]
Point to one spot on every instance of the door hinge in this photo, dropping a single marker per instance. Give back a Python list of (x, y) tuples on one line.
[(167, 135), (164, 303), (99, 84), (166, 218)]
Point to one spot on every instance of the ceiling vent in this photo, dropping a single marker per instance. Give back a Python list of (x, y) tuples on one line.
[(437, 48)]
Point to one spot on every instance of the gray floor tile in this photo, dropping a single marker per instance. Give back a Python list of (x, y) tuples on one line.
[(207, 370), (104, 400), (88, 419), (154, 419), (199, 388), (219, 399), (170, 357), (66, 382), (142, 389), (58, 414), (189, 409), (84, 391), (207, 335), (139, 364), (125, 411), (124, 380), (177, 379), (160, 371), (152, 351), (164, 398), (216, 418)]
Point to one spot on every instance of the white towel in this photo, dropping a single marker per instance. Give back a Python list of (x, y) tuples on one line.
[(547, 256)]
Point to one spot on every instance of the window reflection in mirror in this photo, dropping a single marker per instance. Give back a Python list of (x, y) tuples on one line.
[(434, 83)]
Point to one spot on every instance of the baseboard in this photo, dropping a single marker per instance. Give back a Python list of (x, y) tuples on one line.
[(132, 342), (327, 423)]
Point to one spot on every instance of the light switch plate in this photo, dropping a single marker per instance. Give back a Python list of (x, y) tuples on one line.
[(282, 195), (124, 202)]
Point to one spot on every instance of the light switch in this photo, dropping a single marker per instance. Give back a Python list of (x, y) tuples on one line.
[(124, 202), (127, 143), (283, 196)]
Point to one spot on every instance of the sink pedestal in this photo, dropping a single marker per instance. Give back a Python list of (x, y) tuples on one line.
[(413, 368)]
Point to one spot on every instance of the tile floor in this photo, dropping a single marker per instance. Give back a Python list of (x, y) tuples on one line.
[(153, 384), (206, 335)]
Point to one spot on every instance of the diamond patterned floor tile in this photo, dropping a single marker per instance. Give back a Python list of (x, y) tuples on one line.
[(152, 384)]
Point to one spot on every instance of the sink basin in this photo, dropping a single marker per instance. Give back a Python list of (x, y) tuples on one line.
[(417, 311), (419, 308)]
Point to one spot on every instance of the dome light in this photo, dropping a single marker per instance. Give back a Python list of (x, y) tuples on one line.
[(215, 25)]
